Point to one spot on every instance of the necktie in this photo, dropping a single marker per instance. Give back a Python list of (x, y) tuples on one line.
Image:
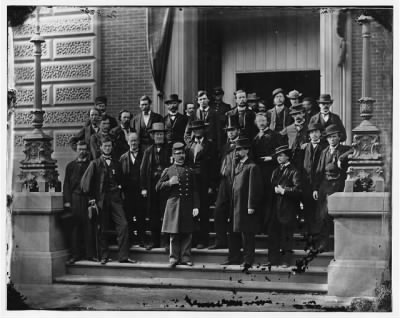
[(204, 114)]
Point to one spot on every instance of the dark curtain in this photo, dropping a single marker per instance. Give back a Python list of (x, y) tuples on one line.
[(159, 34)]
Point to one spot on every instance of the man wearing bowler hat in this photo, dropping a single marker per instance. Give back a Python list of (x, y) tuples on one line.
[(329, 178), (246, 194), (175, 123), (312, 153), (202, 159), (286, 185), (294, 97), (155, 159), (245, 116), (182, 206), (224, 194), (279, 115), (143, 121), (326, 118)]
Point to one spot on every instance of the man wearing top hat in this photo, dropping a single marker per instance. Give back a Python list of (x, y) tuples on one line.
[(175, 123), (263, 148), (210, 116), (143, 121), (178, 184), (155, 159), (121, 133), (224, 194), (279, 114), (286, 185), (245, 116), (294, 97), (202, 158), (252, 101), (326, 118), (296, 135), (246, 194), (329, 178), (102, 182), (133, 203), (100, 103), (312, 153)]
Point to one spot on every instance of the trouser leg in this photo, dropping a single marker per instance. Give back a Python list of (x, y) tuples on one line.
[(220, 221), (287, 242), (174, 247), (235, 242), (248, 247), (186, 245), (121, 225), (274, 236), (201, 235)]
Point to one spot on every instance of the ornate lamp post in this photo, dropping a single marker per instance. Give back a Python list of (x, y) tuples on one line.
[(365, 171), (38, 169)]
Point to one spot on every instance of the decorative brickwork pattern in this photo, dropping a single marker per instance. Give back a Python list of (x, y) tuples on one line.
[(62, 139), (54, 117), (25, 96), (24, 51), (77, 94), (18, 141), (74, 48)]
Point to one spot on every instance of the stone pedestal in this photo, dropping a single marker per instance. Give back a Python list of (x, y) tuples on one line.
[(39, 249), (362, 242)]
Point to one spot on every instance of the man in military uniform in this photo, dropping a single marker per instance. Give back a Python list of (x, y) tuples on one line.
[(182, 205), (224, 194), (326, 118), (133, 202), (155, 159), (77, 201), (175, 123), (121, 133), (279, 117), (245, 116), (246, 194), (330, 177), (143, 122), (202, 158), (102, 182), (286, 185)]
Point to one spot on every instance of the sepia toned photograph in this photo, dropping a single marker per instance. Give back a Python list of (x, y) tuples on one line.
[(200, 158)]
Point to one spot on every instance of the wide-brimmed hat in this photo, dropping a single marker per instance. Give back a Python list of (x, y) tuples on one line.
[(325, 99), (233, 123), (283, 149), (218, 90), (242, 142), (252, 97), (331, 129), (173, 98), (178, 146), (314, 126), (197, 124), (157, 127), (296, 108), (100, 99), (277, 91), (294, 94)]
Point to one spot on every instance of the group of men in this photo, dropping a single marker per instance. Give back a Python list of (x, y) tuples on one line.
[(265, 169)]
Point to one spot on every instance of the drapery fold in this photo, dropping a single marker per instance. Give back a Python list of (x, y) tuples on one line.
[(159, 34)]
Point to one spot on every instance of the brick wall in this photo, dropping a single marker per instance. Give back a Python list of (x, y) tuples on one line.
[(125, 69), (381, 83)]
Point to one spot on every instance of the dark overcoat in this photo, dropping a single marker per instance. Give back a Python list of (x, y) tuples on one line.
[(249, 127), (286, 206), (272, 114), (334, 119), (311, 159), (182, 198), (246, 195), (213, 131), (128, 183), (175, 128), (120, 143), (296, 139)]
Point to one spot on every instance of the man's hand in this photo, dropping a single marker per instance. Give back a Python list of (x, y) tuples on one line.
[(144, 193), (315, 195), (279, 189), (266, 158), (173, 180), (250, 211), (195, 212), (303, 146), (92, 202), (67, 205), (210, 191)]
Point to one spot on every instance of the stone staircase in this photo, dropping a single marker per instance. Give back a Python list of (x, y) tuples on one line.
[(152, 271)]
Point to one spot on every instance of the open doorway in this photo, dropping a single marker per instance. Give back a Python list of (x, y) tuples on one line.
[(306, 82)]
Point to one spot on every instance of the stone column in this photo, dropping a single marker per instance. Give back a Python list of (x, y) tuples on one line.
[(39, 251)]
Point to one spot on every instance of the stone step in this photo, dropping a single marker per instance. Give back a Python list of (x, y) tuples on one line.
[(250, 286), (313, 275), (214, 256)]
